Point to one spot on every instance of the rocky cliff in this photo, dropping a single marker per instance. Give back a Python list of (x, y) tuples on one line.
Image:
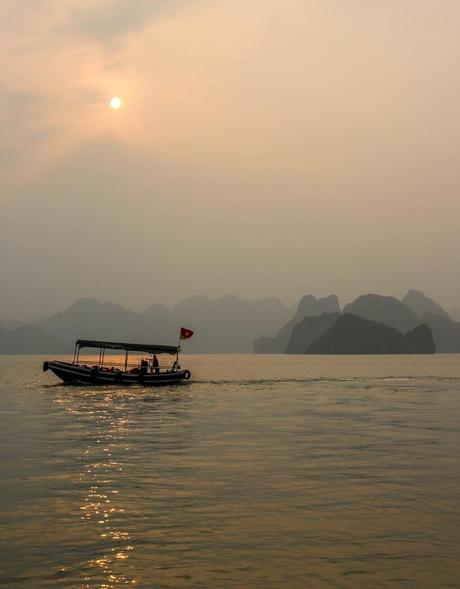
[(309, 306), (308, 331), (387, 310), (351, 334), (421, 304), (446, 333)]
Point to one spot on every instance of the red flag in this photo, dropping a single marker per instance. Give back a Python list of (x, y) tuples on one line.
[(185, 333)]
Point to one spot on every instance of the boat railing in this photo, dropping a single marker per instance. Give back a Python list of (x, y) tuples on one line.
[(121, 366)]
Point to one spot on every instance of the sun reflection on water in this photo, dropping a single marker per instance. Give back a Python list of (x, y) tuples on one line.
[(343, 478), (101, 509)]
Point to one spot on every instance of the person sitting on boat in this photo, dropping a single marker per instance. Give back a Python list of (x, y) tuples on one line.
[(155, 365)]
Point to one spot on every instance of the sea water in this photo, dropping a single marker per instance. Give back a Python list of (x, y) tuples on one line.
[(263, 472)]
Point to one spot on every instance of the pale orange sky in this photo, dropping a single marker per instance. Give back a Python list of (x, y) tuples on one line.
[(264, 148)]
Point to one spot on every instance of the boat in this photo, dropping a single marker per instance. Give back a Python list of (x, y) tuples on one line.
[(143, 371)]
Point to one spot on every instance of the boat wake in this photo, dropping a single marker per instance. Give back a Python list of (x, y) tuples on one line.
[(326, 380)]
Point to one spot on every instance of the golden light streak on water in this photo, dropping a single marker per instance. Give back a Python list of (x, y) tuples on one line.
[(264, 473), (98, 510)]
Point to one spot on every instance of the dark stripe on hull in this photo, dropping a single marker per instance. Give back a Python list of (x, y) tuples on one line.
[(72, 374)]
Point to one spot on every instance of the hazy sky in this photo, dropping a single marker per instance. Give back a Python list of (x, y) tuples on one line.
[(264, 148)]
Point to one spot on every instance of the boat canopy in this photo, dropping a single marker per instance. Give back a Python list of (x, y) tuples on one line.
[(148, 348)]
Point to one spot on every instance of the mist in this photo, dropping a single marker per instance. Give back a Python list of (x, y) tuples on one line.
[(262, 150)]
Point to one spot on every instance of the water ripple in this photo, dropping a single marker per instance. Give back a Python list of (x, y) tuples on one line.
[(262, 472)]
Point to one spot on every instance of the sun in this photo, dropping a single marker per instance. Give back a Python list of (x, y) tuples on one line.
[(116, 102)]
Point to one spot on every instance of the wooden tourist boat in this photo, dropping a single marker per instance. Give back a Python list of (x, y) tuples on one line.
[(144, 371)]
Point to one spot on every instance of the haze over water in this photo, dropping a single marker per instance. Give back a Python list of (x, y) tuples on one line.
[(261, 148), (266, 471)]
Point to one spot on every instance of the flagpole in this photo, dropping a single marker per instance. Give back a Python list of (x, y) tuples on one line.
[(177, 353), (183, 334)]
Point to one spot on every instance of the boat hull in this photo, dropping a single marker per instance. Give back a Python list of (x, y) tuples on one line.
[(85, 375)]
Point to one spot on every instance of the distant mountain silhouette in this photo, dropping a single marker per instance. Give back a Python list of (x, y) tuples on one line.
[(29, 339), (309, 306), (455, 314), (233, 325), (308, 331), (10, 324), (89, 319), (351, 334), (229, 324), (420, 340), (446, 333), (421, 304), (225, 325), (387, 310)]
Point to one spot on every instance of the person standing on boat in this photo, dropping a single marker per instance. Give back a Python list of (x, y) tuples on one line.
[(155, 364), (144, 366)]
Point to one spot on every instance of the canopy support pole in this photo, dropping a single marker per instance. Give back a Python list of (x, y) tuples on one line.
[(126, 360)]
